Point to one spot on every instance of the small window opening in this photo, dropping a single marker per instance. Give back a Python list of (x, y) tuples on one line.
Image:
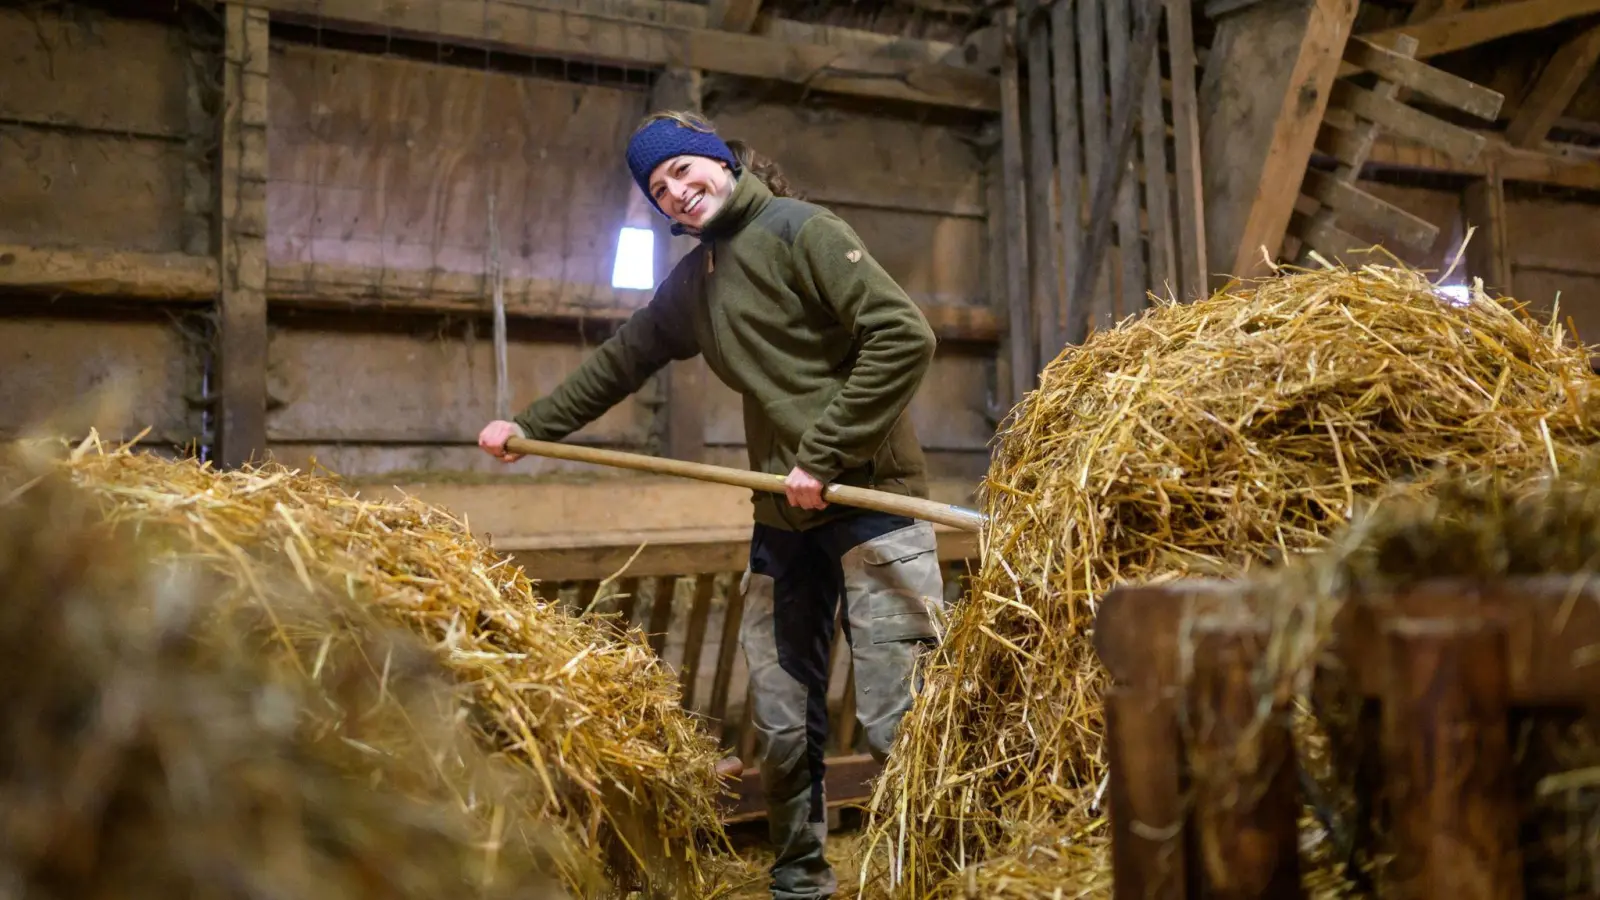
[(1456, 294), (636, 259)]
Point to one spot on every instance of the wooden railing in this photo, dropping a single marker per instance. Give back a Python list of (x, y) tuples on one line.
[(1433, 674), (681, 589)]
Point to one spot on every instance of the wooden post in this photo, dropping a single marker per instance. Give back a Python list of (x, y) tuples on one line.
[(1243, 771), (1041, 176), (1069, 168), (1563, 75), (242, 338), (1262, 99), (1130, 237), (686, 380), (1096, 301), (1448, 761), (1024, 368), (1194, 277), (1483, 204), (1143, 753)]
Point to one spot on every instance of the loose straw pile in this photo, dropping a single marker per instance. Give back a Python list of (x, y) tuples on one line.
[(149, 750), (1204, 438), (593, 720)]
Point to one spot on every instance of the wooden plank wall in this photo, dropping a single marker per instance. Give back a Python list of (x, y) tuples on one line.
[(380, 172), (94, 153)]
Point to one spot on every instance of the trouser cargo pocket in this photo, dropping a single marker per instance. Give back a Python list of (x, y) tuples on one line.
[(896, 578)]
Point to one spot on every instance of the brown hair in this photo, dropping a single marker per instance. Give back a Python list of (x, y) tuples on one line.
[(760, 166)]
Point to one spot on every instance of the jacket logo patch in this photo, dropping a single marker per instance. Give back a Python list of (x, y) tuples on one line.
[(853, 255)]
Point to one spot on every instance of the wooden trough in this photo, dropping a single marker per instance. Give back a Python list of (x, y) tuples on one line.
[(1445, 664)]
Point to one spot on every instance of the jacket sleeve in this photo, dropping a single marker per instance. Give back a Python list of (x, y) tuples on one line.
[(894, 347), (649, 339)]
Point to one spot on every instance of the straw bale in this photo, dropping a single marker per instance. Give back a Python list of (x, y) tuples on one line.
[(591, 718), (1205, 438), (147, 750)]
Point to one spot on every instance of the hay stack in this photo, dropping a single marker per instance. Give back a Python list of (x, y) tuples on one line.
[(1201, 438), (593, 721), (147, 750)]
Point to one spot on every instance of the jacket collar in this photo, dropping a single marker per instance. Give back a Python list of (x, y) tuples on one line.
[(748, 199)]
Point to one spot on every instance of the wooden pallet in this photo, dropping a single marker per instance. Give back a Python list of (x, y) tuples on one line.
[(1443, 663)]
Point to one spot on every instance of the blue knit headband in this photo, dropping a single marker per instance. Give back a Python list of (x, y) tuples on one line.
[(663, 139)]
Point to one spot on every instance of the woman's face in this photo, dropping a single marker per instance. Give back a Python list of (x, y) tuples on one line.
[(691, 189)]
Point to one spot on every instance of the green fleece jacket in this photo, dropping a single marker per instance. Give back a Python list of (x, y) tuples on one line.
[(791, 311)]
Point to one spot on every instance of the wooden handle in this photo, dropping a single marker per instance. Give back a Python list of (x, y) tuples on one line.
[(881, 501)]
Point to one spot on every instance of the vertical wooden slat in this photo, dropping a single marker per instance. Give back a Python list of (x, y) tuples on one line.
[(662, 600), (584, 598), (1041, 176), (1193, 276), (242, 338), (1448, 762), (727, 649), (1069, 166), (1483, 204), (1147, 816), (1244, 771), (1019, 325), (1157, 186), (1099, 307), (627, 601), (1130, 239), (695, 640)]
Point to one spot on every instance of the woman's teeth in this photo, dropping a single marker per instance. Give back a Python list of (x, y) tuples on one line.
[(694, 202)]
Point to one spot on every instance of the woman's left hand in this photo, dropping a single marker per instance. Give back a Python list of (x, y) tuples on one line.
[(803, 490)]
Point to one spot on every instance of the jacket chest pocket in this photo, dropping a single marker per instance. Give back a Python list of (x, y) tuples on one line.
[(895, 586)]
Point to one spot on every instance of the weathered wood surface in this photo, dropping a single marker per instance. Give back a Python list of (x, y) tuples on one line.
[(1020, 350), (242, 308), (1266, 85), (1043, 284), (1143, 747), (1246, 811), (119, 375), (1483, 207), (90, 190), (99, 73), (155, 276), (578, 36), (1447, 761), (1560, 81), (1442, 34), (1191, 228)]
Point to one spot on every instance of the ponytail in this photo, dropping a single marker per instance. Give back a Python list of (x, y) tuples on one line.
[(762, 167)]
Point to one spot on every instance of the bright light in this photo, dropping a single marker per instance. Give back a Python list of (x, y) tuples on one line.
[(1457, 294), (636, 260)]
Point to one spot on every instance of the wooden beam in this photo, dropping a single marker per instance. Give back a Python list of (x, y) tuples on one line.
[(1262, 99), (149, 276), (1404, 121), (242, 326), (1483, 205), (577, 36), (733, 15), (1186, 146), (1119, 21), (684, 413), (1413, 74), (1563, 75), (1069, 166), (1041, 190), (1344, 197), (1446, 33), (1024, 367), (1514, 164)]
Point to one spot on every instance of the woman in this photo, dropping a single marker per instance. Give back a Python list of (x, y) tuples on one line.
[(790, 311)]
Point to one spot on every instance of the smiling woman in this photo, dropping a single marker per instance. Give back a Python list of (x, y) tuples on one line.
[(789, 309)]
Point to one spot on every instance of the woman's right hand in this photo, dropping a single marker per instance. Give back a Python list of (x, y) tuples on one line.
[(493, 439)]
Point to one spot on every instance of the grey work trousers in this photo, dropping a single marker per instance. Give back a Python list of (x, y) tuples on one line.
[(886, 569)]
